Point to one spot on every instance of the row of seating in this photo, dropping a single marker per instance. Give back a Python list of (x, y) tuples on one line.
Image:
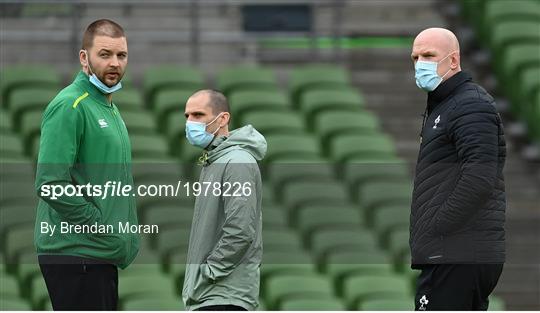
[(510, 30), (336, 196)]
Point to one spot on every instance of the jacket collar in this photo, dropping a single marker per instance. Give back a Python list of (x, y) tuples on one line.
[(446, 88), (84, 83)]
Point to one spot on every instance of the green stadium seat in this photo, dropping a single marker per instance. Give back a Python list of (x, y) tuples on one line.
[(294, 262), (315, 102), (304, 304), (326, 241), (283, 287), (317, 76), (246, 78), (148, 170), (172, 239), (23, 100), (5, 122), (36, 10), (311, 219), (16, 169), (385, 219), (281, 240), (360, 171), (517, 58), (149, 286), (18, 241), (15, 215), (170, 102), (245, 101), (11, 145), (149, 146), (514, 32), (172, 304), (348, 146), (9, 287), (387, 305), (279, 122), (300, 146), (139, 122), (496, 303), (342, 264), (27, 75), (303, 193), (398, 245), (283, 172), (357, 289), (39, 296), (30, 129), (14, 304), (169, 215), (128, 99), (274, 217), (18, 193), (329, 124), (497, 11), (372, 195), (175, 77)]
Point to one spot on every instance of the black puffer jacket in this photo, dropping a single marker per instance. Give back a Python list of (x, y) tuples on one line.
[(459, 201)]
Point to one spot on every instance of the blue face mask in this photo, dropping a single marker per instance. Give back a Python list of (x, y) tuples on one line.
[(197, 135), (426, 75), (98, 83)]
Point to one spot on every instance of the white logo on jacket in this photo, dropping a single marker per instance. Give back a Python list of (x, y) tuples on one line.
[(102, 123), (423, 301), (437, 121)]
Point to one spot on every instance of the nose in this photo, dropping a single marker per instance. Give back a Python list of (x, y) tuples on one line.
[(114, 61)]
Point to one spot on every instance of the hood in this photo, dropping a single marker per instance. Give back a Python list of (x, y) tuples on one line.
[(246, 138)]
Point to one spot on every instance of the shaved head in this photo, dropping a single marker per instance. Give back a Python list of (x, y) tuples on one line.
[(209, 106), (438, 45), (215, 99)]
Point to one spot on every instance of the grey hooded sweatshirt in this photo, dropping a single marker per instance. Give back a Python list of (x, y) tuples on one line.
[(225, 244)]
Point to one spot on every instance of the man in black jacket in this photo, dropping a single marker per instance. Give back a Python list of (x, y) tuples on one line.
[(458, 208)]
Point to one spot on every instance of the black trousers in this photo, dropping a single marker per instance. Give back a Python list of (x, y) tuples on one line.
[(221, 308), (76, 283), (456, 287)]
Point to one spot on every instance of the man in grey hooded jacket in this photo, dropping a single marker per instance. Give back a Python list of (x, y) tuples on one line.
[(225, 245)]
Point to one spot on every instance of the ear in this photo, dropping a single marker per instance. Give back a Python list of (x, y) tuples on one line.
[(455, 60), (225, 118), (83, 58)]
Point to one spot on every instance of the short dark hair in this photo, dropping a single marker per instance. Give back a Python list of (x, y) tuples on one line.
[(102, 27), (218, 101)]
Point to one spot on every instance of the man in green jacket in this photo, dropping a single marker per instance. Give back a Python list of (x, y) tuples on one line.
[(84, 151), (225, 245)]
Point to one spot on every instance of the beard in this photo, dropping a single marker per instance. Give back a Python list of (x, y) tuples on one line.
[(109, 77)]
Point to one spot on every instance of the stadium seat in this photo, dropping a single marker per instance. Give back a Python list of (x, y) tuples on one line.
[(317, 76), (342, 264), (385, 219), (303, 193), (297, 262), (287, 286), (326, 241), (148, 146), (170, 102), (11, 145), (281, 240), (387, 305), (28, 75), (274, 217), (18, 241), (282, 172), (128, 99), (314, 218), (39, 295), (18, 193), (348, 146), (246, 78), (279, 122), (14, 304), (139, 122), (372, 195), (358, 171), (357, 289), (304, 304), (501, 10), (329, 124), (315, 102), (301, 146), (517, 58), (30, 129), (175, 77), (511, 32), (398, 245), (172, 304), (9, 287), (5, 122), (154, 287), (28, 99), (245, 101), (169, 215)]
